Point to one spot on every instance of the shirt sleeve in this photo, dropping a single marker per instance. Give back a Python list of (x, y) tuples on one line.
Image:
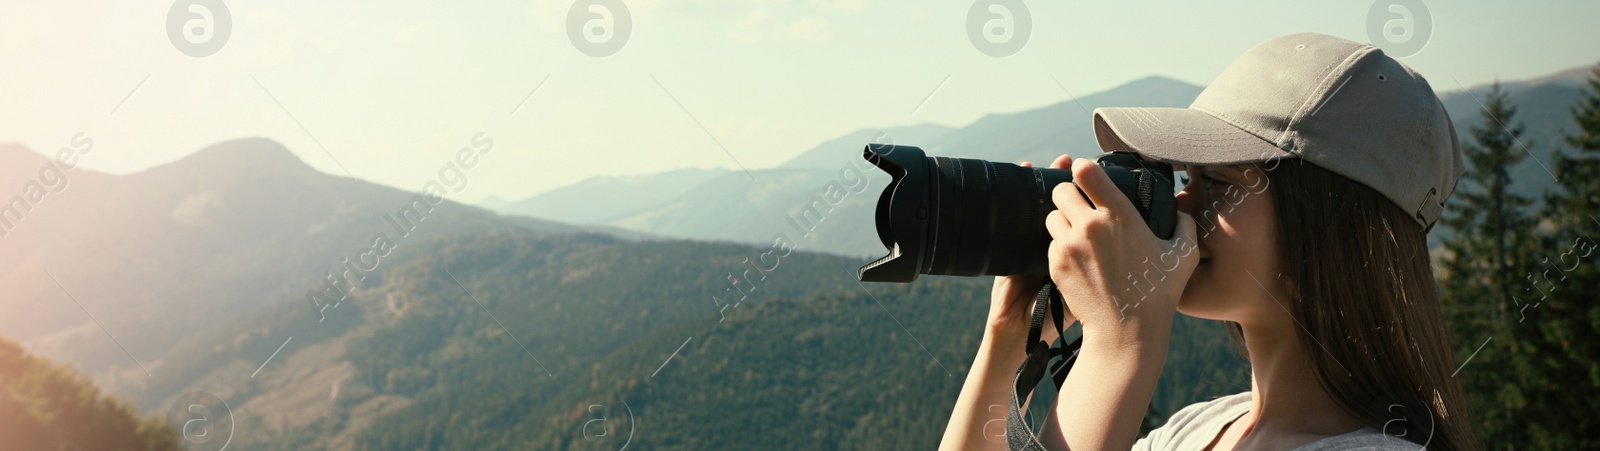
[(1194, 426)]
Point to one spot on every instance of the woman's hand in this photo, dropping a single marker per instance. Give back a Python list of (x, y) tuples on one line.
[(1107, 265), (1011, 300), (978, 420), (1123, 285), (1118, 278)]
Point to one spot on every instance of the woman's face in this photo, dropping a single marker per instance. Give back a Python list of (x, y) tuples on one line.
[(1238, 276)]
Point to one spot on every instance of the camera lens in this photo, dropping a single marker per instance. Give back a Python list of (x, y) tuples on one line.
[(969, 217), (988, 217)]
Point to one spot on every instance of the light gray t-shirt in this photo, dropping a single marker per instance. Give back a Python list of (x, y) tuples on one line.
[(1197, 425)]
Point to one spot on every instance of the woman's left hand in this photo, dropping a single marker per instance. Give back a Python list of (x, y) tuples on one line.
[(1011, 302)]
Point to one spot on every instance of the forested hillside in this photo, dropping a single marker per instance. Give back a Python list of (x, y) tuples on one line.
[(44, 405), (809, 360)]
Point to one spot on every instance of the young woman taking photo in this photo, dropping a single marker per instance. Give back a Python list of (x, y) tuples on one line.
[(1314, 168)]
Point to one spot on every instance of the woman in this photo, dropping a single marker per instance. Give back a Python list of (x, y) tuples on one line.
[(1315, 167)]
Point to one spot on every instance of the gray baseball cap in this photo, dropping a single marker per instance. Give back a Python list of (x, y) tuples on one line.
[(1341, 105)]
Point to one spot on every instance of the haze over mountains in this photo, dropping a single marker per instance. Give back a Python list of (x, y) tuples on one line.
[(728, 205)]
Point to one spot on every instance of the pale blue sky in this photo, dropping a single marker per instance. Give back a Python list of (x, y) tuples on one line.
[(390, 89)]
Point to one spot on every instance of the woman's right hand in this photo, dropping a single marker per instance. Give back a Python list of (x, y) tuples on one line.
[(1101, 248), (1098, 243)]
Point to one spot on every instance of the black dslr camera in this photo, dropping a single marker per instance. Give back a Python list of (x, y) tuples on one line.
[(967, 217)]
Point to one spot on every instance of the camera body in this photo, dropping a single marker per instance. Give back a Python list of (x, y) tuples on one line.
[(969, 217)]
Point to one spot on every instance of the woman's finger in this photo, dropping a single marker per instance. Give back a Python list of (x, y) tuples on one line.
[(1062, 162), (1056, 223), (1070, 201), (1094, 182)]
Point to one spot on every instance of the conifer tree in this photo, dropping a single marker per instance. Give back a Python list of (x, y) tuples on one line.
[(1564, 285), (1484, 262)]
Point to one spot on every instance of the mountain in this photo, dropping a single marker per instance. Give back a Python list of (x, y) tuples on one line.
[(605, 199), (730, 206), (1543, 107), (108, 272), (832, 184), (828, 154), (495, 203), (1037, 135)]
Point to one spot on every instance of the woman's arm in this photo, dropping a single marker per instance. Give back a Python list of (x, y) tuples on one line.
[(1104, 399), (979, 419), (1102, 402), (1098, 255)]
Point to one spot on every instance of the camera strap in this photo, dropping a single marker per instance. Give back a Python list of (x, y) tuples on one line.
[(1019, 436)]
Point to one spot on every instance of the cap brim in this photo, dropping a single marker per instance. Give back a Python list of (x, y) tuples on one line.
[(1180, 135)]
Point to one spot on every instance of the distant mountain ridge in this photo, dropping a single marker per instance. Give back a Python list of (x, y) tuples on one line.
[(606, 199), (731, 207)]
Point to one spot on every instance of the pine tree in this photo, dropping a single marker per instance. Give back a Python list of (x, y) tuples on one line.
[(1564, 284), (1483, 264)]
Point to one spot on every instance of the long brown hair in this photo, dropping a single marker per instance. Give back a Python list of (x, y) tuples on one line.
[(1358, 269)]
